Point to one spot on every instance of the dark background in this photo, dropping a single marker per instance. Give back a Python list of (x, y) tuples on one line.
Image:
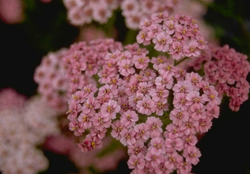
[(225, 148)]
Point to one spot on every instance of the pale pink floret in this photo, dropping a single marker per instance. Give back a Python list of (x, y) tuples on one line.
[(90, 105), (194, 98), (191, 50), (143, 38), (189, 127), (197, 111), (169, 25), (117, 127), (189, 140), (74, 109), (153, 30), (77, 127), (180, 101), (192, 154), (212, 97), (176, 50), (173, 159), (101, 121), (136, 161), (141, 62), (204, 124), (125, 67), (184, 168), (178, 116), (145, 106), (161, 106), (129, 117), (174, 144), (110, 109), (137, 148), (128, 137), (162, 42), (142, 132), (172, 131), (158, 93), (85, 119), (159, 17), (154, 126), (213, 110), (154, 159), (157, 146), (182, 87)]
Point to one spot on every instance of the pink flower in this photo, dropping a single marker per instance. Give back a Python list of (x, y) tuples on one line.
[(173, 159), (197, 111), (157, 146), (129, 117), (125, 67), (191, 50), (90, 104), (137, 148), (110, 109), (162, 42), (174, 144), (192, 154), (142, 132), (136, 161), (117, 127), (141, 62), (128, 137), (154, 126), (178, 116), (145, 106)]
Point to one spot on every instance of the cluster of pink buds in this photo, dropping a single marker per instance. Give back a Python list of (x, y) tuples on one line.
[(84, 11), (51, 80), (135, 11), (156, 112), (227, 70), (177, 35)]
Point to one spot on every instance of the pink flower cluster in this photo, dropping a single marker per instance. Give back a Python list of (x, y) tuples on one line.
[(135, 11), (84, 11), (21, 130), (52, 84), (177, 35), (227, 70), (138, 103)]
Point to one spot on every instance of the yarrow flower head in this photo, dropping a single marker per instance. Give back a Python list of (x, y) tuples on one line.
[(83, 12), (177, 35), (135, 11), (227, 70), (156, 113)]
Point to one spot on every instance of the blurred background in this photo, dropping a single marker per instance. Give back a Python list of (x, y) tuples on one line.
[(33, 28)]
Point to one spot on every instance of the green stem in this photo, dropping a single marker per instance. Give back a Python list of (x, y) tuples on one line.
[(180, 61)]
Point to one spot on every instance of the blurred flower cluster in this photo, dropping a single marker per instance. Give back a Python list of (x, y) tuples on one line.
[(145, 93)]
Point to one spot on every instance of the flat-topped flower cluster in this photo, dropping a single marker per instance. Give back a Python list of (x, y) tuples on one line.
[(155, 112), (227, 70), (145, 101), (82, 12)]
